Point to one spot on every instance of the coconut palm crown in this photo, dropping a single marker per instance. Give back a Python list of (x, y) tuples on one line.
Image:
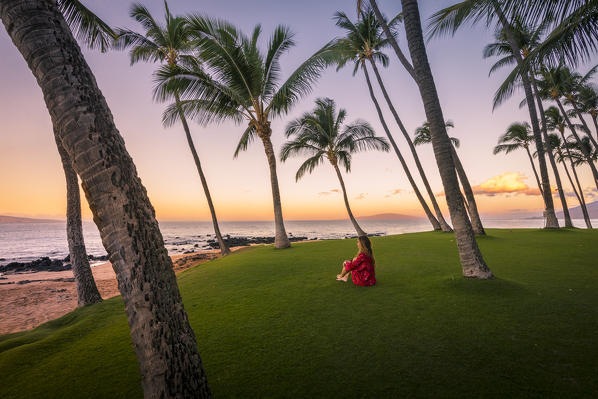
[(422, 134)]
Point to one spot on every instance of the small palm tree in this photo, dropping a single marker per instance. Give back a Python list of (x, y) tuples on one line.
[(321, 134), (168, 44), (422, 136), (518, 136)]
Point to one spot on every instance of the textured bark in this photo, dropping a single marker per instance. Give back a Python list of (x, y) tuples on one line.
[(443, 224), (470, 203), (358, 228), (87, 291), (224, 250), (162, 338), (472, 262), (418, 194), (557, 177), (531, 160), (549, 215), (281, 240)]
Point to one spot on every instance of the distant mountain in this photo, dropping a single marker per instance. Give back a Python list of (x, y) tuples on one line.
[(388, 216), (12, 219), (576, 212)]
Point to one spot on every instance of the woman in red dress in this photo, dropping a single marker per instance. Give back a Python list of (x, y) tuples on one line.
[(362, 266)]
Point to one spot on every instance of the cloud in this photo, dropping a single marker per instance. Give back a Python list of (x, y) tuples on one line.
[(506, 183), (333, 191), (361, 196), (393, 192)]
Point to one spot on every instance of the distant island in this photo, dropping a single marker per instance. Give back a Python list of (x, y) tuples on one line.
[(577, 214), (388, 216), (13, 219)]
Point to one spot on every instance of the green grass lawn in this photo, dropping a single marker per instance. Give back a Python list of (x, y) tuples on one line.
[(275, 323)]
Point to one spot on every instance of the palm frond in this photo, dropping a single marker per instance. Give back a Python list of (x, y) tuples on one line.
[(246, 138), (87, 26)]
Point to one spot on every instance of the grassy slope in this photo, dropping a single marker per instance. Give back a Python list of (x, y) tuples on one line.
[(276, 323)]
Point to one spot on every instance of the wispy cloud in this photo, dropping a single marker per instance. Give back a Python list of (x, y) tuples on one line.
[(333, 191), (393, 192), (361, 196)]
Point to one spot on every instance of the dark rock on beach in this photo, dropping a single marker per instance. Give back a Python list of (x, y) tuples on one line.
[(44, 264), (245, 241)]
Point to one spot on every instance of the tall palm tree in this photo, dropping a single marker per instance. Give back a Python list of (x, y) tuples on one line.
[(450, 19), (516, 137), (472, 261), (422, 136), (165, 345), (321, 134), (167, 44), (364, 42), (242, 83)]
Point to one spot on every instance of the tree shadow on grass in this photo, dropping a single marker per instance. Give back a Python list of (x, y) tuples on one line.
[(496, 287)]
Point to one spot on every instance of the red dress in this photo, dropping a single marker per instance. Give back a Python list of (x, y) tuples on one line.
[(362, 270)]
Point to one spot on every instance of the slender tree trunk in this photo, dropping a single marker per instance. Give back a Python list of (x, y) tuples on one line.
[(531, 160), (280, 239), (472, 262), (470, 202), (580, 199), (162, 338), (87, 291), (422, 201), (549, 214), (443, 224), (557, 177), (224, 250), (584, 124), (358, 228), (595, 120), (585, 152)]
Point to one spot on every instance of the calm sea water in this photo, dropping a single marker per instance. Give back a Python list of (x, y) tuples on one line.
[(28, 241)]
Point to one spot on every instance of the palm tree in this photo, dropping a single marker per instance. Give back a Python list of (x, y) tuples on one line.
[(588, 97), (242, 83), (575, 82), (472, 261), (363, 42), (321, 134), (167, 44), (422, 136), (165, 345)]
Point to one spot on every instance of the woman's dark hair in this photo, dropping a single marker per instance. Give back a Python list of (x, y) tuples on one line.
[(366, 245)]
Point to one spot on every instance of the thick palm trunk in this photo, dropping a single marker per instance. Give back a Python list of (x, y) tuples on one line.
[(443, 224), (585, 152), (87, 291), (224, 250), (549, 214), (281, 240), (470, 203), (165, 345), (557, 177), (531, 161), (580, 199), (472, 262), (420, 198), (358, 228)]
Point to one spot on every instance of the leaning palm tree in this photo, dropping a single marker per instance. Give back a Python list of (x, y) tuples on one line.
[(422, 136), (243, 84), (472, 261), (363, 44), (162, 338), (321, 134), (168, 44)]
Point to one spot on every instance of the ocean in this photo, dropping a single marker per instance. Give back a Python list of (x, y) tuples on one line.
[(24, 242)]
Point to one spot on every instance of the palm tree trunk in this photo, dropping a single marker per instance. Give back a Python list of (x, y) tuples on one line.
[(557, 177), (165, 345), (224, 250), (472, 261), (280, 238), (358, 228), (595, 120), (443, 224), (549, 214), (470, 202), (422, 201), (531, 160), (583, 122), (87, 291), (583, 149)]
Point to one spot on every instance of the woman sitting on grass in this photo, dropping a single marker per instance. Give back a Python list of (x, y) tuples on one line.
[(362, 266)]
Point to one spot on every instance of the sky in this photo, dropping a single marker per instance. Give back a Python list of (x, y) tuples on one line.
[(32, 181)]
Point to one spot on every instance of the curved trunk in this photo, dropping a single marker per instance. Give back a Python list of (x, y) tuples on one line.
[(420, 198), (87, 291), (165, 345), (224, 250), (584, 124), (443, 224), (472, 262), (358, 228), (557, 177), (585, 152), (470, 203), (549, 214), (280, 238), (531, 160)]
